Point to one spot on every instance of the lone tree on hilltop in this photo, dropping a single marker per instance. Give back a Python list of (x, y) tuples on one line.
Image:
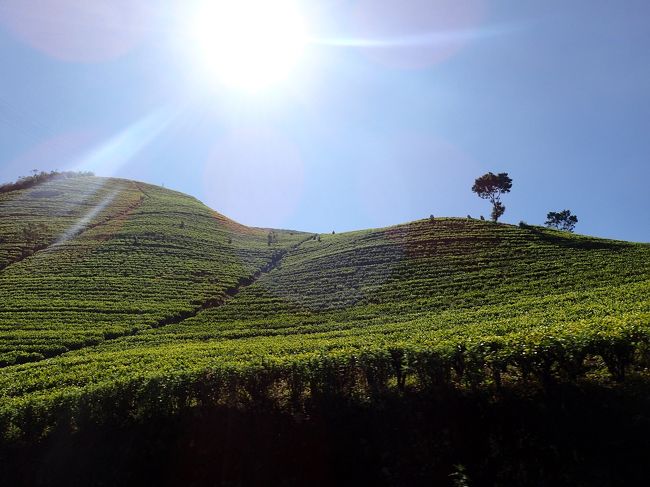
[(562, 220), (490, 187)]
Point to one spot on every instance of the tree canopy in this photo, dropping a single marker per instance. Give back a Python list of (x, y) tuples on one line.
[(490, 187), (561, 220)]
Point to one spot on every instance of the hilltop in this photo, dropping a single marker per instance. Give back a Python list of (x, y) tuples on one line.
[(133, 300)]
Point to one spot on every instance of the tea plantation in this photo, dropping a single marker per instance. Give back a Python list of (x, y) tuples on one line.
[(112, 257), (140, 302)]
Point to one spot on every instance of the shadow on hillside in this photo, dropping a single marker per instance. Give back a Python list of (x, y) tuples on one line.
[(569, 240), (594, 436)]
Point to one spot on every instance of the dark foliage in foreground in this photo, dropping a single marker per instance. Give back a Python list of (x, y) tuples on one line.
[(577, 435)]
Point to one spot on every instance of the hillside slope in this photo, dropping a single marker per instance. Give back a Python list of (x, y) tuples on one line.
[(170, 305), (113, 257)]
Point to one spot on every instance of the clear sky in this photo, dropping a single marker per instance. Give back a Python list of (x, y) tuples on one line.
[(387, 114)]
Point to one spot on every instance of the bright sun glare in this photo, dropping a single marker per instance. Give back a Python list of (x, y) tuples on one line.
[(249, 44)]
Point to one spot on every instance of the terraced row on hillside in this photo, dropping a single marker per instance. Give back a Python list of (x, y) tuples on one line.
[(430, 302), (117, 257)]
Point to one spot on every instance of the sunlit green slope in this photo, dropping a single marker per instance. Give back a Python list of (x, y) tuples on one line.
[(171, 305), (424, 270), (112, 257)]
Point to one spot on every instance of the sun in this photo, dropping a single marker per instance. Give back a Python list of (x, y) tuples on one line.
[(249, 44)]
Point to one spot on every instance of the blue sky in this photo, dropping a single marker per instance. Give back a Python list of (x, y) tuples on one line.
[(554, 93)]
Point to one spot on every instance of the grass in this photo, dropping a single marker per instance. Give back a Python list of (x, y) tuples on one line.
[(159, 304)]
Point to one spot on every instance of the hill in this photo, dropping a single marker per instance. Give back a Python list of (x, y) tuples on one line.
[(112, 257), (136, 301)]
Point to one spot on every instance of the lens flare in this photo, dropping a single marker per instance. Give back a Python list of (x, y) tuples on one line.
[(255, 175), (77, 31), (416, 33)]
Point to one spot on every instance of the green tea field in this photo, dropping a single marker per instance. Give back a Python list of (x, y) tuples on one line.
[(136, 302)]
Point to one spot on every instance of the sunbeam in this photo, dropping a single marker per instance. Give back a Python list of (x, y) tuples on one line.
[(80, 225), (108, 158), (111, 156)]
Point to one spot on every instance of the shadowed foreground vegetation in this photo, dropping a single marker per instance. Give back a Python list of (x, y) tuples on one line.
[(575, 435), (149, 321)]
